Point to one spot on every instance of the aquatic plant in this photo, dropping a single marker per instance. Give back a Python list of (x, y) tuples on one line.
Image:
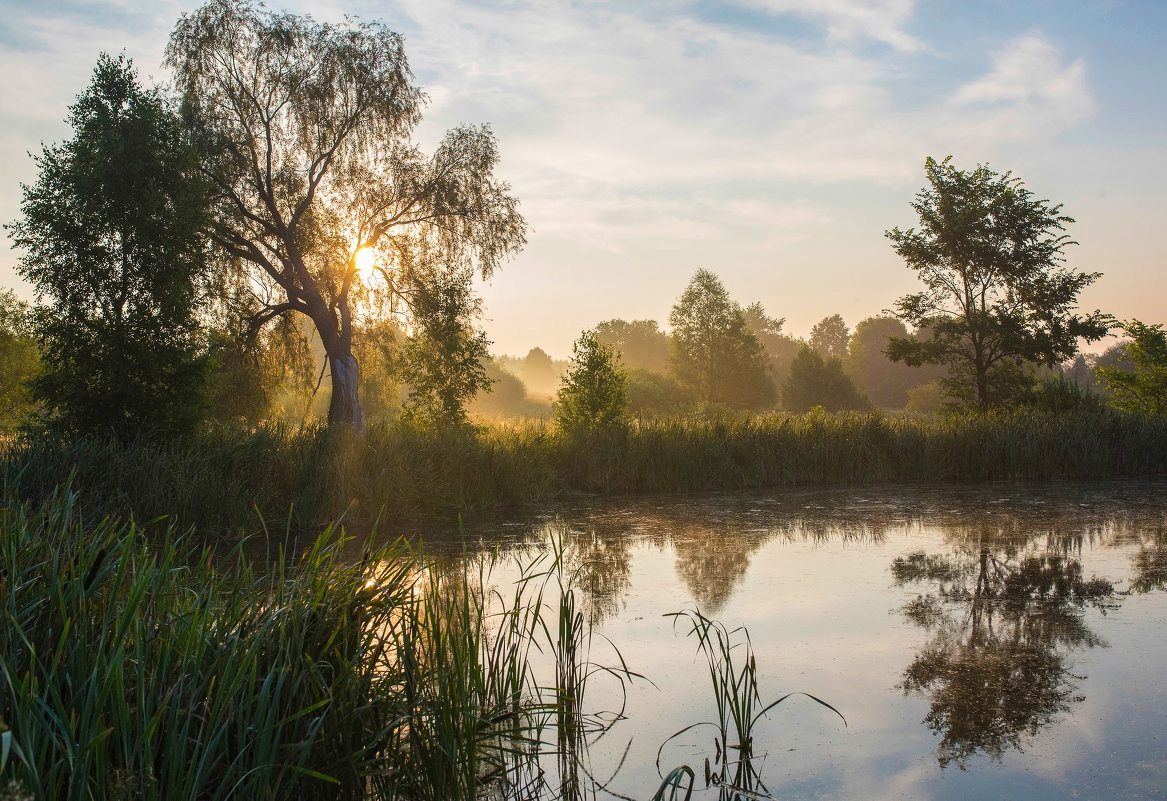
[(227, 480), (151, 667), (733, 676)]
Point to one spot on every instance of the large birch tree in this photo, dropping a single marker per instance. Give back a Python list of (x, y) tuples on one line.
[(321, 196)]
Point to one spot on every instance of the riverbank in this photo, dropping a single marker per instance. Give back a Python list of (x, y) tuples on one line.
[(232, 481)]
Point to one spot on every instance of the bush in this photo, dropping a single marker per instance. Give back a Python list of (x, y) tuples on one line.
[(593, 396), (1143, 389), (815, 381)]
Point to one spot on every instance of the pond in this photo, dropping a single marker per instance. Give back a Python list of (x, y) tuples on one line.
[(991, 641)]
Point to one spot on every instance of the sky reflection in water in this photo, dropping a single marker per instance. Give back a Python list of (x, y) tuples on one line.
[(1001, 641)]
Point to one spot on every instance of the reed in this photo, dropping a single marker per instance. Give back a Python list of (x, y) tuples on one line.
[(733, 677), (228, 480), (147, 667)]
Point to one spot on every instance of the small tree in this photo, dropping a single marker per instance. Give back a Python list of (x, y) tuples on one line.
[(830, 336), (998, 298), (815, 381), (715, 355), (445, 359), (113, 238), (1143, 389), (593, 395)]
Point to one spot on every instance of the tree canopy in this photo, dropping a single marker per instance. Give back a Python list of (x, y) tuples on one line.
[(19, 361), (830, 336), (715, 355), (998, 296), (319, 195), (640, 343), (593, 396), (885, 382), (113, 240), (780, 348), (815, 381), (1143, 388)]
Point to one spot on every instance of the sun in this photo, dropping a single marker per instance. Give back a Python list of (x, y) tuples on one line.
[(364, 260)]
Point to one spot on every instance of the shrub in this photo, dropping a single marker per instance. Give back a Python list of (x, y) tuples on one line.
[(593, 396)]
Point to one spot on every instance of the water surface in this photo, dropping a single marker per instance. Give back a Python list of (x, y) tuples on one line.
[(988, 642)]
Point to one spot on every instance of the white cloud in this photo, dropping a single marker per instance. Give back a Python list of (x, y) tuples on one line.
[(1029, 74), (627, 124), (881, 20)]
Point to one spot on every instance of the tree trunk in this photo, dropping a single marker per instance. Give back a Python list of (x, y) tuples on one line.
[(982, 386), (345, 406)]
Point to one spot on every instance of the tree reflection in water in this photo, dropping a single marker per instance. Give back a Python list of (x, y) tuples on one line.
[(600, 563), (1149, 566), (1003, 619)]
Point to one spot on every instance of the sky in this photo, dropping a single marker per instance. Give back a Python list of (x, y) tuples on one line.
[(770, 141)]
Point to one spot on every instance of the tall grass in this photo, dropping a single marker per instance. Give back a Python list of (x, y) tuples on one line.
[(227, 480), (162, 670), (733, 678)]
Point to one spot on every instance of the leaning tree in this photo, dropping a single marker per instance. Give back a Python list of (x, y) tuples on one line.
[(998, 296), (322, 200)]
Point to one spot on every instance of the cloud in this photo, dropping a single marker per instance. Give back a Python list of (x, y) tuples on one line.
[(881, 20), (629, 127), (1029, 74)]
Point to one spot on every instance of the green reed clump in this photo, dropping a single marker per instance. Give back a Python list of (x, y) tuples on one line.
[(227, 479), (159, 671), (149, 668), (733, 677), (782, 450)]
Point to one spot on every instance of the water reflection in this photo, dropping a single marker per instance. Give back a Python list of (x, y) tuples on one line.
[(1002, 620), (600, 563), (1149, 565), (997, 593)]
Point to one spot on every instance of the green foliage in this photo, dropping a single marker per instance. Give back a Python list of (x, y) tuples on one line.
[(640, 344), (444, 362), (1143, 388), (113, 234), (715, 355), (377, 344), (158, 669), (20, 361), (651, 394), (1116, 356), (925, 399), (593, 396), (274, 377), (313, 168), (780, 348), (1058, 394), (815, 381), (830, 336), (998, 298)]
